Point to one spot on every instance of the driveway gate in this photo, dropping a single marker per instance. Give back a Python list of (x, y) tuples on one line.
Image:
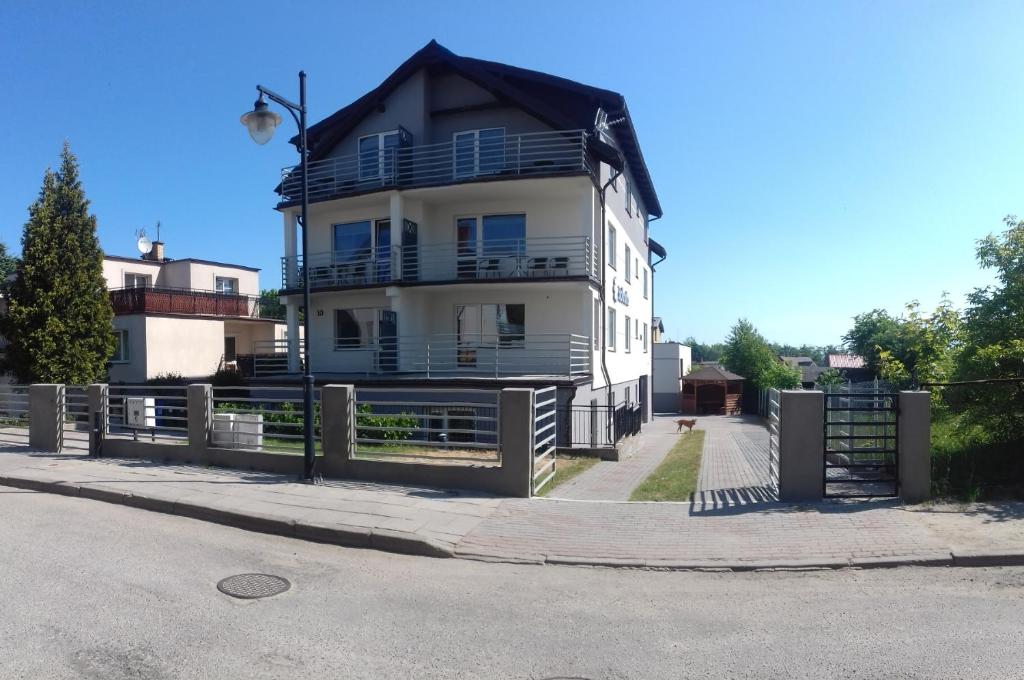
[(861, 444), (75, 425)]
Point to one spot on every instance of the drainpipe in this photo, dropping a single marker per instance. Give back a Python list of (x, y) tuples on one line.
[(653, 265), (600, 291)]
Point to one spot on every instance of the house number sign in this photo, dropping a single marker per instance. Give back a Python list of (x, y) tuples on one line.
[(620, 294)]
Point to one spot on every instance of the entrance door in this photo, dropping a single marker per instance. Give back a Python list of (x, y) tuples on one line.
[(643, 398), (388, 338), (229, 348), (410, 254)]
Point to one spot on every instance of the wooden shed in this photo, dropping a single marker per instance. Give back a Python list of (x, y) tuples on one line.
[(711, 390)]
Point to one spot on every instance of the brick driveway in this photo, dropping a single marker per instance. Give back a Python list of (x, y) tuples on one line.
[(734, 468)]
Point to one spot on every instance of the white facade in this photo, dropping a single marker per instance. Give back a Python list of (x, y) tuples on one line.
[(672, 361)]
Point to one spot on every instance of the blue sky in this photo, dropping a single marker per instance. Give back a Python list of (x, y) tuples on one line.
[(814, 160)]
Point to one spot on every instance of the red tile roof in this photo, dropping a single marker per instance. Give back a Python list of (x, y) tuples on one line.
[(844, 361)]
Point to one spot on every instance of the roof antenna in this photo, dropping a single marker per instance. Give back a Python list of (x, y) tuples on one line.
[(601, 122)]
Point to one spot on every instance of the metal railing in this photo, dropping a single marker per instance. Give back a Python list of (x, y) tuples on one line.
[(444, 427), (774, 410), (522, 155), (525, 259), (76, 423), (148, 413), (627, 420), (14, 414), (861, 443), (587, 426), (149, 300), (545, 434), (508, 354), (265, 419)]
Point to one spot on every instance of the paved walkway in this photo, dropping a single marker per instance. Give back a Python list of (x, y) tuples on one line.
[(734, 467), (615, 480)]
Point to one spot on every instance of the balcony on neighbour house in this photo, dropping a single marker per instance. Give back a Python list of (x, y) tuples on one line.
[(470, 157), (548, 258), (191, 302), (508, 355)]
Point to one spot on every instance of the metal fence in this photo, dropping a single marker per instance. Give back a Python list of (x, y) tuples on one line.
[(14, 415), (587, 426), (439, 426), (148, 413), (545, 425), (627, 420), (861, 443), (774, 410), (266, 419), (76, 422)]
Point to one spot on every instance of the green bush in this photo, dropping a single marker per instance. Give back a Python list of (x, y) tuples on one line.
[(970, 463), (368, 424)]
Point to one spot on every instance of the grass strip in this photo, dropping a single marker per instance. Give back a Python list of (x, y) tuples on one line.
[(676, 478)]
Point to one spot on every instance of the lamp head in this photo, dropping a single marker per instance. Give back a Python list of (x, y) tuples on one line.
[(261, 121)]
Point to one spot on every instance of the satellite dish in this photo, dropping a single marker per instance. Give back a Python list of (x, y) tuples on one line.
[(144, 244)]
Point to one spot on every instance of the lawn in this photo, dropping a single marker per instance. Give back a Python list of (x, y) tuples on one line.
[(566, 468), (676, 478)]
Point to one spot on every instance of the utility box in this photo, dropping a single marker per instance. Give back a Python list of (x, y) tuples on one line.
[(238, 430), (140, 411)]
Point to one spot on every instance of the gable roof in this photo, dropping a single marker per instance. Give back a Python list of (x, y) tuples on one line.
[(561, 103), (712, 373)]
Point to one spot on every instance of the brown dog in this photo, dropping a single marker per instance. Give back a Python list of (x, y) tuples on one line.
[(688, 423)]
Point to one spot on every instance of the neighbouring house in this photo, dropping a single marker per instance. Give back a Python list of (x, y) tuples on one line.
[(186, 317), (712, 390), (672, 361), (809, 370), (851, 366), (657, 329), (476, 224)]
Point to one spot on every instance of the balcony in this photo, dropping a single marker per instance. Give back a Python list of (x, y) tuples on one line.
[(535, 154), (529, 259), (561, 355), (187, 301)]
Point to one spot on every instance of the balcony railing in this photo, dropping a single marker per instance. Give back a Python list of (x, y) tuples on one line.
[(444, 356), (547, 258), (531, 154), (189, 301)]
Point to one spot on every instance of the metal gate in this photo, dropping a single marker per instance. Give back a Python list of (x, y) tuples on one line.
[(75, 423), (545, 424), (14, 412), (861, 444), (774, 427)]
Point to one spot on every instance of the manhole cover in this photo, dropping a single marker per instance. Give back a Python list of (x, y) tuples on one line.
[(253, 586)]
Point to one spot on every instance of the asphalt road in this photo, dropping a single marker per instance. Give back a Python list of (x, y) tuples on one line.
[(92, 590)]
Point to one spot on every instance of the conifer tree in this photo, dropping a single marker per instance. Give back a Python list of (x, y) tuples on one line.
[(59, 313)]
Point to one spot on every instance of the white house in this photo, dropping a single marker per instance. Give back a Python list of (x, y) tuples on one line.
[(476, 223), (672, 360), (188, 317)]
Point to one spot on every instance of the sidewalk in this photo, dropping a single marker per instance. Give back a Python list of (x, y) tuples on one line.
[(476, 526)]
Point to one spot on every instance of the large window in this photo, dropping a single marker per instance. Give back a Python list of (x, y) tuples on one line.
[(121, 348), (487, 324), (629, 262), (479, 152), (645, 283), (377, 155), (610, 330), (356, 327), (138, 280), (353, 241), (357, 243), (226, 286), (611, 246), (629, 333), (643, 338), (490, 245)]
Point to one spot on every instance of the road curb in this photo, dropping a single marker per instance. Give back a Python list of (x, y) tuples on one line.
[(386, 540)]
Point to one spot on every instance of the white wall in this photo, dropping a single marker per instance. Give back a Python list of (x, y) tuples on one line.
[(671, 363), (134, 370), (180, 274), (191, 347), (114, 271)]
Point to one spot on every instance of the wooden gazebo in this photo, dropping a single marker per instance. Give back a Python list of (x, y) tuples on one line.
[(711, 390)]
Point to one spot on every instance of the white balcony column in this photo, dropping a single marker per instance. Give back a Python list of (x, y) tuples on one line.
[(294, 334), (290, 249), (396, 211)]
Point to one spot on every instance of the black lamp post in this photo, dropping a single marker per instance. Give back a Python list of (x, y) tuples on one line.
[(261, 123)]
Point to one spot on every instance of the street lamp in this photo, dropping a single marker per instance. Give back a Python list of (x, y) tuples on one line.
[(261, 123)]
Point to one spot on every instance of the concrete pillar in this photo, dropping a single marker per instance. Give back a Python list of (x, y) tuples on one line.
[(45, 417), (199, 399), (515, 440), (338, 428), (96, 398), (914, 445), (801, 445)]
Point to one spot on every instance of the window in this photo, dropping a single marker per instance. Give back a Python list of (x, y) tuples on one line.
[(629, 334), (353, 241), (503, 234), (445, 418), (643, 338), (645, 284), (629, 198), (597, 324), (479, 152), (611, 246), (613, 178), (138, 280), (377, 155), (226, 286), (356, 327), (121, 353), (230, 348), (490, 245), (611, 329), (637, 267), (487, 324), (629, 262)]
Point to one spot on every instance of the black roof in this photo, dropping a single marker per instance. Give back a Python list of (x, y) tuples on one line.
[(561, 103), (712, 373)]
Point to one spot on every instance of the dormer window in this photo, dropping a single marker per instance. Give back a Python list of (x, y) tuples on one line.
[(377, 157)]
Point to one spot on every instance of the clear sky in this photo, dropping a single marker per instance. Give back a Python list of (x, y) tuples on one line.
[(813, 160)]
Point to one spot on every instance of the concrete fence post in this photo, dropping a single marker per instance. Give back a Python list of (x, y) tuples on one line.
[(801, 445), (515, 439), (337, 428), (45, 417), (914, 446), (96, 399), (199, 402)]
